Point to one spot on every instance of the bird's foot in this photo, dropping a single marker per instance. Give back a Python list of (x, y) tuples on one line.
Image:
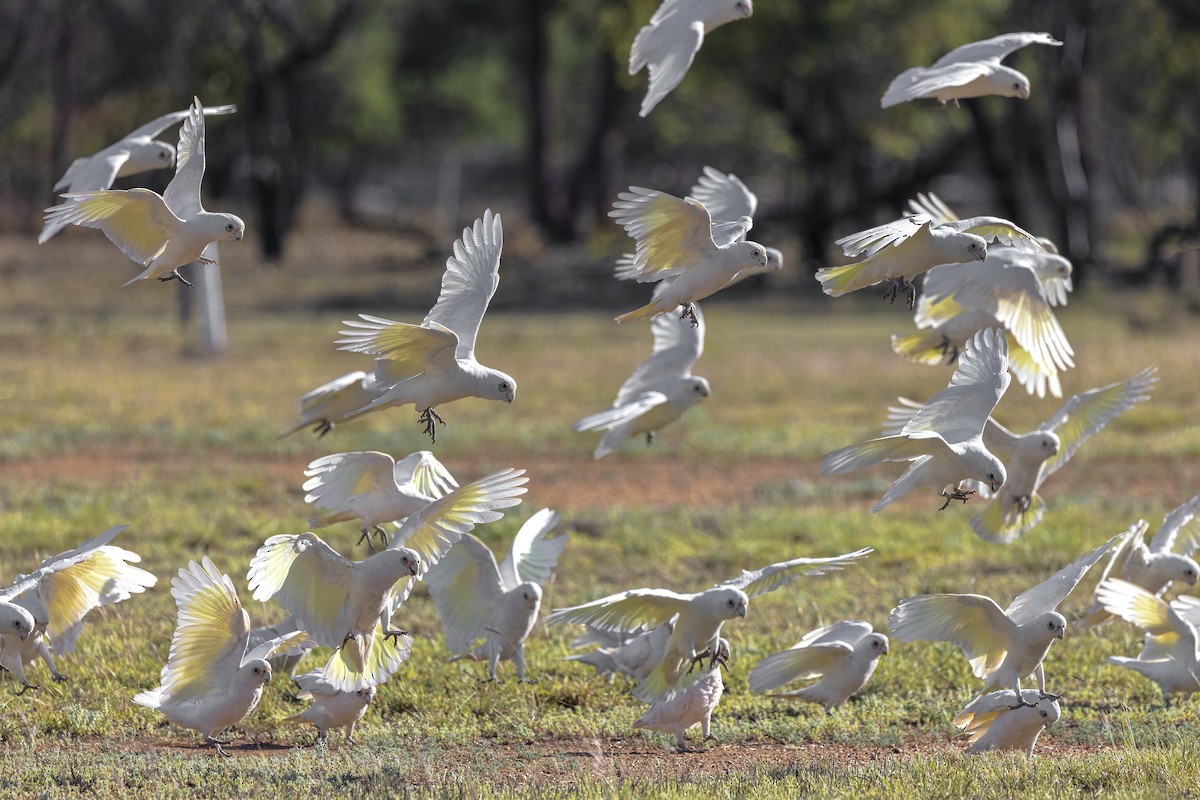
[(649, 438), (689, 313), (1022, 503), (366, 537), (530, 681), (698, 658), (708, 737), (1047, 696), (25, 687), (394, 634), (1022, 704), (958, 494), (206, 261), (175, 276), (323, 427), (949, 350), (350, 740), (59, 677), (382, 534), (430, 419)]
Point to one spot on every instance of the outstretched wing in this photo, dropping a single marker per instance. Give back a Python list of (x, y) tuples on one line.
[(210, 636), (933, 207), (533, 555), (157, 126), (1163, 625), (998, 230), (465, 587), (797, 664), (995, 48), (60, 562), (401, 350), (770, 578), (426, 473), (633, 611), (289, 644), (1180, 530), (1050, 593), (137, 221), (1086, 414), (183, 192), (678, 344), (961, 410), (724, 195), (917, 82), (471, 277), (869, 242), (334, 480), (104, 577), (973, 622), (672, 233), (309, 579)]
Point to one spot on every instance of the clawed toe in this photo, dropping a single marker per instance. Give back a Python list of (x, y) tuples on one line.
[(958, 494), (430, 419)]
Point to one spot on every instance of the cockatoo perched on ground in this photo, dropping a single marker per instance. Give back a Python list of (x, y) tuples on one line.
[(1003, 645), (997, 721), (212, 678), (843, 655), (972, 70), (478, 600), (349, 605), (692, 706), (697, 617), (160, 232), (434, 363), (134, 153), (330, 708)]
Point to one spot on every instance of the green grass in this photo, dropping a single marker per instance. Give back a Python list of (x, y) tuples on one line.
[(104, 422)]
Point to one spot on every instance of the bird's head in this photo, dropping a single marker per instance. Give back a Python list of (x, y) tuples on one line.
[(1055, 264), (726, 602), (495, 385), (232, 227), (988, 470), (1048, 711), (404, 560), (774, 260), (366, 695), (1053, 624), (164, 154), (876, 645), (697, 387), (530, 594), (1048, 443), (16, 620), (1008, 82), (1182, 568), (975, 247), (257, 671), (752, 253)]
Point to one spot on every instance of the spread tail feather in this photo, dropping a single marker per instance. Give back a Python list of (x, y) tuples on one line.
[(648, 311), (837, 281), (920, 347)]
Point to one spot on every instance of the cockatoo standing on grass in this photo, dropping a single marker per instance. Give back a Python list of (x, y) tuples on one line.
[(160, 232), (998, 721), (331, 708), (212, 678), (692, 706)]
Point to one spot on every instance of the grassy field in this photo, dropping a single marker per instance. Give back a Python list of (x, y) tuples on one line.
[(105, 422)]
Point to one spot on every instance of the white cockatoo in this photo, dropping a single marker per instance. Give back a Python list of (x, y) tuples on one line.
[(996, 721), (1030, 458), (331, 707), (842, 655), (692, 706), (134, 153), (668, 45), (212, 678), (944, 440), (60, 598), (335, 402), (1167, 559), (1003, 645), (727, 200), (160, 232), (478, 599), (373, 487), (698, 617), (1053, 271), (659, 391), (434, 363), (972, 70), (349, 605), (677, 242), (900, 250), (1170, 657), (1003, 289), (634, 656)]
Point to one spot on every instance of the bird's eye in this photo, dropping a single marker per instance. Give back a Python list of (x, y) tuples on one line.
[(991, 476), (504, 386), (972, 247), (229, 227), (257, 670), (17, 624), (1017, 87), (1050, 625), (1044, 714)]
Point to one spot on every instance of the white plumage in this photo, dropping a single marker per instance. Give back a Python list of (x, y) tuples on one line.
[(331, 707), (692, 706), (843, 656), (998, 721)]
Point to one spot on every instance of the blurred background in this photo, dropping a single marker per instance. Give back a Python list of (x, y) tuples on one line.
[(390, 124)]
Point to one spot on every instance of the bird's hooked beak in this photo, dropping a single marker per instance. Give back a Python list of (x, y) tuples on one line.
[(267, 679), (25, 635), (413, 568), (981, 255), (994, 485), (885, 650), (1062, 631), (741, 610)]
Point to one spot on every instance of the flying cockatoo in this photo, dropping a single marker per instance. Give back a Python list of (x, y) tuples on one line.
[(434, 363), (331, 708), (700, 616), (349, 605), (160, 232), (668, 45), (16, 621), (477, 599), (659, 391), (1053, 271), (60, 599), (1003, 646), (944, 440), (727, 200), (1003, 289), (1030, 458), (1170, 657), (374, 488), (899, 251), (634, 656), (212, 678), (1168, 558), (134, 153), (997, 721), (843, 655), (972, 70), (676, 241), (691, 707)]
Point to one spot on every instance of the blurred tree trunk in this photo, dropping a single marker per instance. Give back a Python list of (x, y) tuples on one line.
[(62, 84), (545, 196), (590, 189), (279, 96)]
